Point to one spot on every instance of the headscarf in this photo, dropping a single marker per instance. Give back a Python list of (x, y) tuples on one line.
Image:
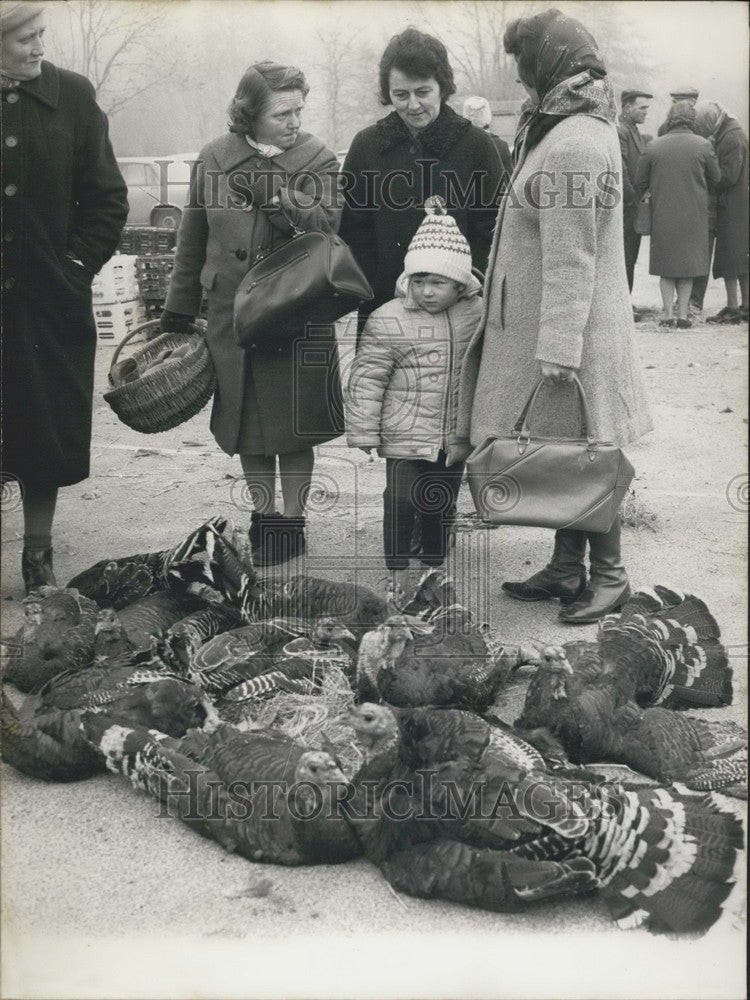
[(566, 67), (477, 110), (709, 117)]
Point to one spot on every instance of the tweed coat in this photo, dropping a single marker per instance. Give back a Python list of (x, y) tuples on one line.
[(389, 174), (62, 195), (678, 169), (284, 399), (403, 384), (556, 291), (731, 258)]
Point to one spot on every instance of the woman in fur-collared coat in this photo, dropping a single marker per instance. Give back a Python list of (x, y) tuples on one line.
[(556, 298), (247, 186)]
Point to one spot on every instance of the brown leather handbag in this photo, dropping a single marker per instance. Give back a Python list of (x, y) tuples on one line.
[(549, 482), (311, 278)]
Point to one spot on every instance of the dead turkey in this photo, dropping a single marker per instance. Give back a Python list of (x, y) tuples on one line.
[(260, 794), (662, 651), (58, 634), (215, 555), (447, 812), (46, 742)]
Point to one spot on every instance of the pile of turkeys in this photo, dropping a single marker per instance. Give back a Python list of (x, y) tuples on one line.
[(162, 667)]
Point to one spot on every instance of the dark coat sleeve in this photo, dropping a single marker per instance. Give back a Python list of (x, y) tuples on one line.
[(99, 191), (357, 219), (730, 153), (185, 290), (643, 174), (628, 192)]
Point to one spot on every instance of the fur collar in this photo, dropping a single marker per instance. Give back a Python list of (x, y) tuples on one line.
[(437, 138)]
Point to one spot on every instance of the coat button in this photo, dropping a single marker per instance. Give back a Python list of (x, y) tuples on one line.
[(433, 378), (12, 98), (11, 141), (9, 236), (241, 254), (10, 190), (9, 283)]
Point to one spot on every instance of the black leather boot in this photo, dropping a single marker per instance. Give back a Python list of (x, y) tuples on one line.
[(281, 538), (608, 588), (563, 577), (36, 569), (256, 519)]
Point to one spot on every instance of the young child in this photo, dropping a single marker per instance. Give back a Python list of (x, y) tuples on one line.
[(403, 388)]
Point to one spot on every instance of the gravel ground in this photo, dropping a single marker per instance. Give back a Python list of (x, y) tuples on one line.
[(101, 898)]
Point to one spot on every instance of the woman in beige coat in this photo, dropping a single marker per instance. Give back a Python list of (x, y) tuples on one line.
[(556, 300)]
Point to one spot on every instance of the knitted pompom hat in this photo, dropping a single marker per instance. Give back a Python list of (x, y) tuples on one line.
[(439, 246)]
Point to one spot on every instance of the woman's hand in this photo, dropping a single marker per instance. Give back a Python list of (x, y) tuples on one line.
[(556, 374)]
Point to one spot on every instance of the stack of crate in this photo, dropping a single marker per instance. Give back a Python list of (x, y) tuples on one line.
[(114, 292)]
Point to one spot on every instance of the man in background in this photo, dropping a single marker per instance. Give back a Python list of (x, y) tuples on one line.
[(635, 105)]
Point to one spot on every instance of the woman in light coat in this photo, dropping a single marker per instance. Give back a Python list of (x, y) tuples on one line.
[(247, 186), (556, 300)]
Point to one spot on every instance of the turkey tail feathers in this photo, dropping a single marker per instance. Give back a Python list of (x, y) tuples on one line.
[(682, 867), (685, 636)]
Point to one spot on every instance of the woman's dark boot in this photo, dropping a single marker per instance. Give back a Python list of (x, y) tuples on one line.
[(281, 538), (564, 576), (608, 588), (36, 569)]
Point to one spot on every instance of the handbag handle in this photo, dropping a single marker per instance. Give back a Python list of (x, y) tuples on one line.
[(521, 427)]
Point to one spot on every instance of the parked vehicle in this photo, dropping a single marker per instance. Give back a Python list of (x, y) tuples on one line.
[(157, 188)]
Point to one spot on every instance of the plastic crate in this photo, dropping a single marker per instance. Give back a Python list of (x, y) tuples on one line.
[(115, 320), (147, 240), (154, 273), (116, 282)]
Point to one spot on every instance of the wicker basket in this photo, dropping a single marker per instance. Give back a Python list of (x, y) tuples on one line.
[(169, 394)]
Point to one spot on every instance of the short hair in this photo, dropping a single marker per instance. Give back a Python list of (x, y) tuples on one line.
[(254, 90), (681, 113), (631, 96), (418, 56)]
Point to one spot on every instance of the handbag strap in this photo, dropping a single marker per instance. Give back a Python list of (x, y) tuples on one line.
[(521, 426)]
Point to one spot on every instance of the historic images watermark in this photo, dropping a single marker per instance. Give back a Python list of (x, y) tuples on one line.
[(396, 190), (426, 796)]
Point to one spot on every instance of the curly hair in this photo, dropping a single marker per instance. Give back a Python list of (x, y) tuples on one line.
[(681, 113), (254, 89), (418, 56)]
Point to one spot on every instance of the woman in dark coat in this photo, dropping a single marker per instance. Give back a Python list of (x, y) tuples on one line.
[(422, 148), (731, 258), (282, 401), (677, 169), (64, 206)]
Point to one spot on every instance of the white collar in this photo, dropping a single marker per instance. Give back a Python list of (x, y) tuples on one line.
[(264, 149)]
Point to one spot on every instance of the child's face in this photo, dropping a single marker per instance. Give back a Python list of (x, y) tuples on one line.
[(434, 293)]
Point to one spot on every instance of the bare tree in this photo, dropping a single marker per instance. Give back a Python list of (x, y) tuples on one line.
[(348, 82), (115, 44)]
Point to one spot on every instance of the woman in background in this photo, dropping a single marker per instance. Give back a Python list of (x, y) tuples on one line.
[(677, 169), (731, 258)]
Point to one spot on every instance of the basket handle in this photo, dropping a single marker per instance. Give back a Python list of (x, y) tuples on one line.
[(145, 326)]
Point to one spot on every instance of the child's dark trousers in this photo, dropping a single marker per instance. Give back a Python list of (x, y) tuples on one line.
[(415, 486)]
